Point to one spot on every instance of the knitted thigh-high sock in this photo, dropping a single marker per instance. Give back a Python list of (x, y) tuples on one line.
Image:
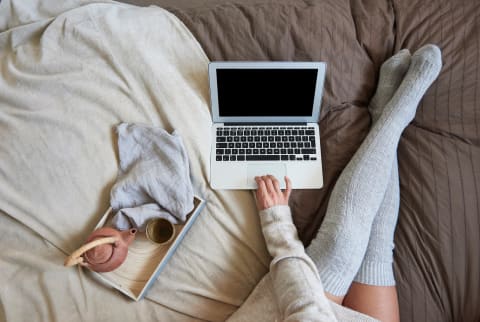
[(341, 242), (377, 265)]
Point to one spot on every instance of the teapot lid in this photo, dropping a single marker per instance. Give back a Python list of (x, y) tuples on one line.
[(99, 254)]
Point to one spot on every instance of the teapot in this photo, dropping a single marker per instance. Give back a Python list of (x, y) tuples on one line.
[(105, 249)]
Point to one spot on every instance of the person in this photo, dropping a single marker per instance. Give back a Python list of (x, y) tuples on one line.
[(346, 273)]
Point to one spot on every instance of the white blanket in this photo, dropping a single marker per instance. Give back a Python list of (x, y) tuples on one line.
[(70, 72)]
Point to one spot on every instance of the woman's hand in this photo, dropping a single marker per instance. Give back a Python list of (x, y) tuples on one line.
[(269, 194)]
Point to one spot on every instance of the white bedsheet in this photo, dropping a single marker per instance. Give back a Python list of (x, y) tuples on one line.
[(70, 72)]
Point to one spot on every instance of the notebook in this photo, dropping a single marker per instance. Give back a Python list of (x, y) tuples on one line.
[(265, 118)]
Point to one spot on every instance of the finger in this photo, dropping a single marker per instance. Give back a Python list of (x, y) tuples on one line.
[(262, 195), (260, 185), (269, 184), (276, 185), (288, 187)]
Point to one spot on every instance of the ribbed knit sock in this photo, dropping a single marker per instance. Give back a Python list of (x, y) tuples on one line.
[(340, 245), (377, 265)]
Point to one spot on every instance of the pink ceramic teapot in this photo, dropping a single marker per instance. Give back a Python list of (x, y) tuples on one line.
[(105, 249)]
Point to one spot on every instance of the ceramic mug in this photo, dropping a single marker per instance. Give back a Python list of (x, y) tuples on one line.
[(160, 231)]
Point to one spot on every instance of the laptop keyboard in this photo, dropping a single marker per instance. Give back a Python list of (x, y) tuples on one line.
[(265, 143)]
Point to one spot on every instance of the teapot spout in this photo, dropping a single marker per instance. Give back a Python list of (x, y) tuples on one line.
[(128, 235)]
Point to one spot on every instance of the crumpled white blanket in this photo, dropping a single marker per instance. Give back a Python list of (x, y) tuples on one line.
[(71, 71), (153, 178)]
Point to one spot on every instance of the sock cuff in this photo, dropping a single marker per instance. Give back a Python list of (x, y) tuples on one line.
[(335, 283), (375, 273)]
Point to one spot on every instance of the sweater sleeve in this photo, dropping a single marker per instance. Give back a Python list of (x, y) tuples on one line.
[(297, 287)]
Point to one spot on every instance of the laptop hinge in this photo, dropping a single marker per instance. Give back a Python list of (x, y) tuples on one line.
[(263, 123)]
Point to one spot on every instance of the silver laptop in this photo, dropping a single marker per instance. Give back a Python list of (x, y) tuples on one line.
[(265, 118)]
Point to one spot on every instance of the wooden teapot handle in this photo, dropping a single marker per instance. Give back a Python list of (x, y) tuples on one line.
[(76, 258)]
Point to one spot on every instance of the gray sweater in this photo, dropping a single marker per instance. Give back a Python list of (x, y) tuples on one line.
[(291, 290)]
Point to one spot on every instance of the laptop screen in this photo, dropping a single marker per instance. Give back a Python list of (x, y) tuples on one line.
[(259, 92), (266, 92)]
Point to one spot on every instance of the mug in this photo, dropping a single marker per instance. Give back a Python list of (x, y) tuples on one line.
[(160, 231)]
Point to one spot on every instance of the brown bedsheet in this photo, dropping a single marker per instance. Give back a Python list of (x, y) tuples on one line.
[(437, 240)]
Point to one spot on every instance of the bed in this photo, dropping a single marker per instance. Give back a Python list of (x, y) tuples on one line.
[(73, 70)]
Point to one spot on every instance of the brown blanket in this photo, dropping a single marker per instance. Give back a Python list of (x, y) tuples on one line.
[(438, 234)]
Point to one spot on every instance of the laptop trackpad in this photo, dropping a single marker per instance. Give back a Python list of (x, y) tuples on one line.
[(278, 170)]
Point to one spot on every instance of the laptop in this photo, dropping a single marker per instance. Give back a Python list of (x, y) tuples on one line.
[(265, 118)]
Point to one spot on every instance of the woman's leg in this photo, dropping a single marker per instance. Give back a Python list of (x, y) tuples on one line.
[(340, 245), (373, 291), (380, 302)]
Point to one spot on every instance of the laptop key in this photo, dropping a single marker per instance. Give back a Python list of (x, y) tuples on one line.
[(308, 151), (221, 145), (218, 158), (263, 157)]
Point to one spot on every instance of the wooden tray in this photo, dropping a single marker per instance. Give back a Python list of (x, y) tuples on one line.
[(145, 259)]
